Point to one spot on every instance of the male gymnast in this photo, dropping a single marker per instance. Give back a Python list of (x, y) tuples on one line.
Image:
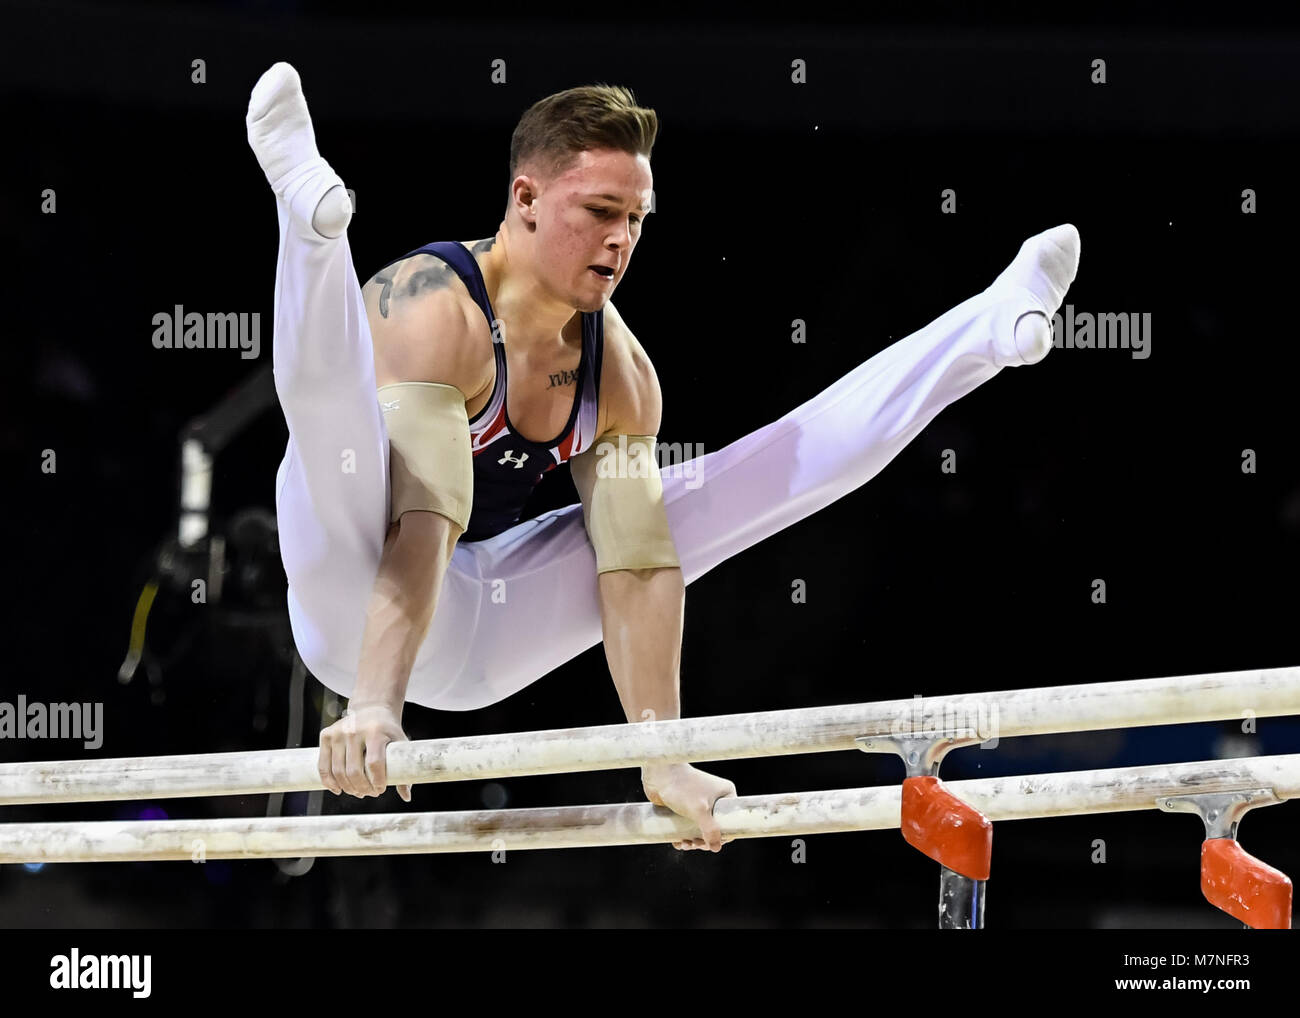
[(420, 408)]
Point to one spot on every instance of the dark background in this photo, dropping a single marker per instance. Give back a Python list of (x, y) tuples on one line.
[(774, 202)]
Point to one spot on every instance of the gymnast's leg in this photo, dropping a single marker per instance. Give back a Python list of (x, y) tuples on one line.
[(765, 481), (845, 435), (332, 485)]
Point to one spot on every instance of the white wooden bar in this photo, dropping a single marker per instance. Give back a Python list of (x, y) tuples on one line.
[(1087, 707), (753, 816)]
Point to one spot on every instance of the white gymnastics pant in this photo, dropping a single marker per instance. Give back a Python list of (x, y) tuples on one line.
[(332, 485)]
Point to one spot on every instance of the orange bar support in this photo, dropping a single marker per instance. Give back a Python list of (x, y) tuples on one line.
[(946, 829), (1236, 882)]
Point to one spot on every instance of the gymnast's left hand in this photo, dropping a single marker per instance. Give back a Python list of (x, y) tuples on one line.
[(691, 793)]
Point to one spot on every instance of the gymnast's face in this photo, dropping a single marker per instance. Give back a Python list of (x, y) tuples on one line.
[(590, 215)]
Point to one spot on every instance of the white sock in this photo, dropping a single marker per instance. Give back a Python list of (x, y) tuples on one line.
[(1033, 336), (281, 136), (333, 212), (1039, 277)]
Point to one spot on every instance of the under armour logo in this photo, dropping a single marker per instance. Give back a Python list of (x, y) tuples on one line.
[(389, 406), (507, 458)]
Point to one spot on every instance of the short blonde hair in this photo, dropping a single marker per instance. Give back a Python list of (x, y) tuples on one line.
[(554, 130)]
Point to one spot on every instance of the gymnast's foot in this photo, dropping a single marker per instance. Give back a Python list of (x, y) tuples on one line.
[(281, 136), (1036, 280)]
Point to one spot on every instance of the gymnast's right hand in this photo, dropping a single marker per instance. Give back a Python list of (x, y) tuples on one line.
[(353, 751)]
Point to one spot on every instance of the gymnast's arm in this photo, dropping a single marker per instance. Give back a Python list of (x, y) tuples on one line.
[(641, 591), (640, 585), (429, 344)]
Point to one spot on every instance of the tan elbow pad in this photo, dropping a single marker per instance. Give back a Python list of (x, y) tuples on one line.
[(430, 465), (623, 504)]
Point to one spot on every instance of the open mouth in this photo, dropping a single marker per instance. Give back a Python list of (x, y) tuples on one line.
[(603, 271)]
